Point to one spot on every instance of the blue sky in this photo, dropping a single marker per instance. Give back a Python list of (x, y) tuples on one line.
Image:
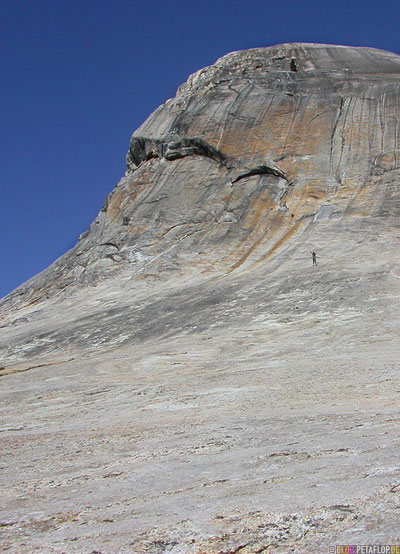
[(79, 76)]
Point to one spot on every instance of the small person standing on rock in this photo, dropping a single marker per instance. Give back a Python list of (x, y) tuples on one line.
[(314, 257)]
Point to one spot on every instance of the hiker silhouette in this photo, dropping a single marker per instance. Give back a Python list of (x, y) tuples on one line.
[(314, 257)]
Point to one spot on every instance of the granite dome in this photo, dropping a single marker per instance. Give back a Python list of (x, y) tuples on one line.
[(186, 346)]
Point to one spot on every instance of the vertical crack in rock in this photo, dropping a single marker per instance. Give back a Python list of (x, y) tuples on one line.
[(333, 134)]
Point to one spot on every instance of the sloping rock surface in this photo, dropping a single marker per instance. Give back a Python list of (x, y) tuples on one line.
[(184, 380)]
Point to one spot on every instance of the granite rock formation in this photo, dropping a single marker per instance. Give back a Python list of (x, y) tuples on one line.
[(183, 380)]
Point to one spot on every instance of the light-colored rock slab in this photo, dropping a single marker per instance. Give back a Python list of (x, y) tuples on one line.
[(183, 380)]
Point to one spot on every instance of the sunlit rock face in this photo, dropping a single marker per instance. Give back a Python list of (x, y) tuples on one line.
[(190, 317), (251, 150)]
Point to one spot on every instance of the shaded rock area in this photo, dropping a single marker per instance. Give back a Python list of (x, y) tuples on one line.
[(184, 380), (143, 149)]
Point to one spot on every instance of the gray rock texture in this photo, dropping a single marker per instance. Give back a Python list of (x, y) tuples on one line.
[(184, 380)]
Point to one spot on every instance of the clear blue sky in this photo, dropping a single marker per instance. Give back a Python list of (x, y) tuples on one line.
[(79, 76)]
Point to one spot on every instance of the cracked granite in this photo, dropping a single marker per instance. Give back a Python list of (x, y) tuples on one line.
[(184, 380)]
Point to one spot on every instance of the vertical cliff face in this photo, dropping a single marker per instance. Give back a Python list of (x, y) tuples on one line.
[(190, 316)]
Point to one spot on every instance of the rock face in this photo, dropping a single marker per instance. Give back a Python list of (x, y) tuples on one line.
[(187, 348)]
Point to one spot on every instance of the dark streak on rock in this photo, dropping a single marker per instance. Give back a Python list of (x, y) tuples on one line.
[(109, 244), (261, 170), (142, 149)]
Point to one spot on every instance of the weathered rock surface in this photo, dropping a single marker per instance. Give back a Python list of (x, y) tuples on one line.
[(183, 380)]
